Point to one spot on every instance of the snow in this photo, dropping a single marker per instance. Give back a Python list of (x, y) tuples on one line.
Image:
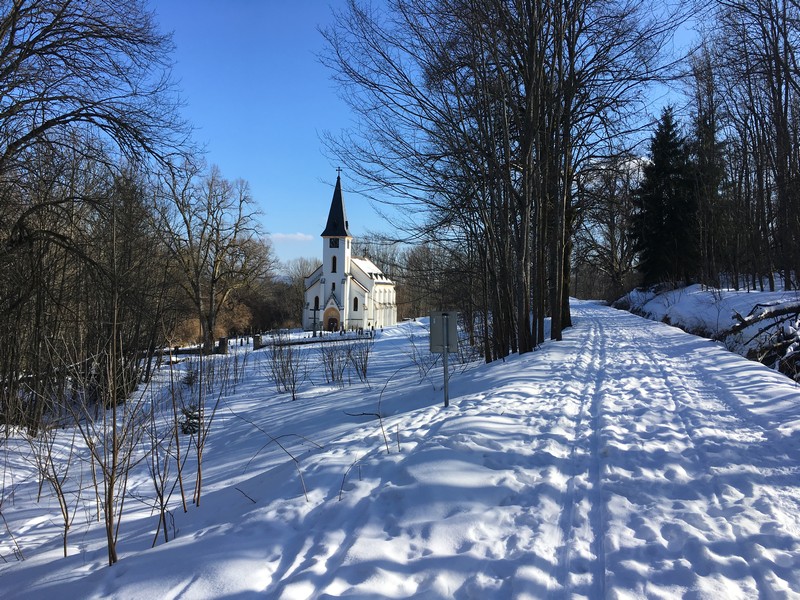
[(630, 460), (703, 309)]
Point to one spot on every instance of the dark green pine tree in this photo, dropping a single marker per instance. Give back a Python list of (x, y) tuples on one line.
[(665, 218), (708, 166)]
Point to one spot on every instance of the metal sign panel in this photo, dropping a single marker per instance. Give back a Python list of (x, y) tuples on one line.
[(444, 332)]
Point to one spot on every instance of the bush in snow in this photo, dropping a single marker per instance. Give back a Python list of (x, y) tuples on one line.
[(334, 357), (286, 365)]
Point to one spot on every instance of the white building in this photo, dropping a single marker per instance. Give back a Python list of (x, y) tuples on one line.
[(346, 292)]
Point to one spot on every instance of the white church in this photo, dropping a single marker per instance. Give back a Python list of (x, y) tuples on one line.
[(346, 292)]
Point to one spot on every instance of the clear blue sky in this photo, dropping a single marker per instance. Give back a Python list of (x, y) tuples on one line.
[(259, 98)]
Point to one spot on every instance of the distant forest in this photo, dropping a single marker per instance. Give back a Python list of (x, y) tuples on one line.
[(537, 150)]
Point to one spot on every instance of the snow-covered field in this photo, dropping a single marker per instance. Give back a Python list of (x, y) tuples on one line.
[(630, 460)]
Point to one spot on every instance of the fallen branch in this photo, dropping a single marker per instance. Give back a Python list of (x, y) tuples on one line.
[(380, 420), (775, 310), (243, 494)]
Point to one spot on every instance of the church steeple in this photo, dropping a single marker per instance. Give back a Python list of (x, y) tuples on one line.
[(337, 226)]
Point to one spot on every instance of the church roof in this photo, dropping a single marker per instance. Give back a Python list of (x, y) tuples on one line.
[(370, 269), (337, 225)]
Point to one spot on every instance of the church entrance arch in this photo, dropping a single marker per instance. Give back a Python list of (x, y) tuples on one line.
[(331, 319)]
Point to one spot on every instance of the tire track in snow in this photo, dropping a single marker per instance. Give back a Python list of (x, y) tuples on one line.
[(613, 492), (655, 474), (564, 413), (597, 512), (302, 564), (654, 481), (690, 432)]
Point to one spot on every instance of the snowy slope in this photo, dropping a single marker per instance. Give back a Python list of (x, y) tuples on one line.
[(631, 460), (702, 309)]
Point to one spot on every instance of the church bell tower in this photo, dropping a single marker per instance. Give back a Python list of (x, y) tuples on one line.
[(336, 253)]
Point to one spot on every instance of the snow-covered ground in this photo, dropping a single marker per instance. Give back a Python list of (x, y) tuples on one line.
[(705, 310), (630, 460)]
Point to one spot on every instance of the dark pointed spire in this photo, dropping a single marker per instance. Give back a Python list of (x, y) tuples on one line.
[(337, 225)]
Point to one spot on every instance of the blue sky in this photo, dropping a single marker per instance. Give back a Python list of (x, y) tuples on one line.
[(259, 98)]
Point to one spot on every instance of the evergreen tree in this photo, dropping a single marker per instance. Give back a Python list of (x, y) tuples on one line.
[(708, 165), (665, 221), (708, 170)]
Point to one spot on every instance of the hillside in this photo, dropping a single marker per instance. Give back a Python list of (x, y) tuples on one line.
[(631, 460)]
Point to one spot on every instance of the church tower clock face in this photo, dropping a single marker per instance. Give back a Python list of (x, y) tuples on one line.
[(333, 243)]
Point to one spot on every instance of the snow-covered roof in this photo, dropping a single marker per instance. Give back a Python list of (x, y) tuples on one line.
[(370, 269)]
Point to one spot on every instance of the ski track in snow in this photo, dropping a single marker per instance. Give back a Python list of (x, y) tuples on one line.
[(630, 460), (523, 562)]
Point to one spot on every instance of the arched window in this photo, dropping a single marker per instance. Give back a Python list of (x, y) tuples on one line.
[(333, 265), (333, 287), (316, 302), (355, 304)]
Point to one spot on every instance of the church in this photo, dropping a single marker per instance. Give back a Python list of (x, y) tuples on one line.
[(346, 292)]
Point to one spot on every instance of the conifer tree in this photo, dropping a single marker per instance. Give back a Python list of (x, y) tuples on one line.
[(666, 209), (708, 164)]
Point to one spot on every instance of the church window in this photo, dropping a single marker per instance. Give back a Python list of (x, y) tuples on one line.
[(355, 304), (333, 264), (333, 286), (316, 302)]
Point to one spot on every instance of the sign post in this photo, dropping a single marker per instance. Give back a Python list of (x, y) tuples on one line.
[(444, 340)]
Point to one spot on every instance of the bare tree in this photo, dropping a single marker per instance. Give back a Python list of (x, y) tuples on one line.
[(210, 387), (94, 65), (297, 269), (211, 231), (604, 233), (359, 353), (56, 465), (286, 365), (112, 430), (85, 87), (334, 358), (754, 52), (162, 448)]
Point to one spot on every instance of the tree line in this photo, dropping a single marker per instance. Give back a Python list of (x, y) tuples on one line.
[(509, 132), (481, 118), (716, 200), (115, 239), (513, 137)]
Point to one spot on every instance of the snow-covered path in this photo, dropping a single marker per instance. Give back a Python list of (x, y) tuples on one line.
[(630, 460), (699, 488)]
